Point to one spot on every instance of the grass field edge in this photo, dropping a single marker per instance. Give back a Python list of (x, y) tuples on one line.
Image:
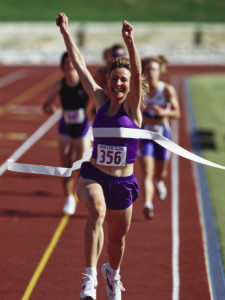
[(213, 256)]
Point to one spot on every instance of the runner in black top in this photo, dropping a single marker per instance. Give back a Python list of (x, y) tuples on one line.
[(73, 125)]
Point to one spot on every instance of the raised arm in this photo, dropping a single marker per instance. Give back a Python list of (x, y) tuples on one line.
[(134, 98), (92, 89), (48, 106)]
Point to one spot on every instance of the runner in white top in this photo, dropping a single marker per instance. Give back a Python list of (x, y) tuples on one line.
[(162, 104)]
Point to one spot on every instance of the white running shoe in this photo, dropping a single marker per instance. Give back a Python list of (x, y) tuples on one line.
[(89, 287), (162, 190), (70, 206), (114, 285)]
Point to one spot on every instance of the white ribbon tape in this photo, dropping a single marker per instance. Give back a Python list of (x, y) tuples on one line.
[(114, 133), (48, 170), (156, 137)]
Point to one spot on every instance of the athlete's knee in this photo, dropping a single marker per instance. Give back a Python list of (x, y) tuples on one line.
[(161, 172), (117, 240), (98, 213), (164, 174), (117, 236), (147, 171)]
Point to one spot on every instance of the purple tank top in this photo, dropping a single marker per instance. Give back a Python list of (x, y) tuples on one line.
[(114, 151)]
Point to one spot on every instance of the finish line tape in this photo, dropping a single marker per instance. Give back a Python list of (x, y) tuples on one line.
[(110, 133)]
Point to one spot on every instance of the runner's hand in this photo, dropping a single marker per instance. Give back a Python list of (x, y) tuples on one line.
[(49, 109), (62, 22), (161, 112), (127, 31)]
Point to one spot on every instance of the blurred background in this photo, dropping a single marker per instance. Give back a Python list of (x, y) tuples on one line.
[(186, 31)]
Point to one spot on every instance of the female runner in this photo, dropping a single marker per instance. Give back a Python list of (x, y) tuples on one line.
[(162, 104), (74, 124), (107, 185)]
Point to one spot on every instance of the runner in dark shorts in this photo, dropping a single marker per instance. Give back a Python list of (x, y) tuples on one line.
[(73, 125), (126, 187), (106, 184)]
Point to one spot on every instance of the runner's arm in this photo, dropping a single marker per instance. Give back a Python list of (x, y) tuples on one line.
[(48, 106), (135, 63), (92, 89), (171, 96)]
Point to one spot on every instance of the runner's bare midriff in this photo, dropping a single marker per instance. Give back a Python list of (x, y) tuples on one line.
[(118, 171), (154, 121)]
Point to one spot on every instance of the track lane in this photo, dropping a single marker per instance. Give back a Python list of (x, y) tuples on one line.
[(21, 200), (192, 268), (31, 209)]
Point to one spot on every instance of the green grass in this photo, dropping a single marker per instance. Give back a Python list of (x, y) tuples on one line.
[(208, 93), (116, 10)]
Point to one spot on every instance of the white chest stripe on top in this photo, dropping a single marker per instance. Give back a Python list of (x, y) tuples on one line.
[(114, 133)]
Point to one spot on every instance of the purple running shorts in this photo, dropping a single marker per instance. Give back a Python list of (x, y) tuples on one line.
[(151, 148), (119, 192)]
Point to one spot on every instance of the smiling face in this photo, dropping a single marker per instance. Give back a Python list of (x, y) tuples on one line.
[(119, 83), (151, 71)]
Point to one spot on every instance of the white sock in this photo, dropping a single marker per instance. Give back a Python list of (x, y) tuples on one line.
[(113, 273), (71, 197), (91, 271), (149, 205), (161, 182)]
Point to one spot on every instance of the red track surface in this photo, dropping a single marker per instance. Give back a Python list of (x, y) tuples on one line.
[(30, 212)]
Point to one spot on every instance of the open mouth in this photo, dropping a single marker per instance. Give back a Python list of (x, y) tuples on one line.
[(118, 90)]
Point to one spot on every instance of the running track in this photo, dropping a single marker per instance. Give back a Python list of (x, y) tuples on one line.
[(41, 250)]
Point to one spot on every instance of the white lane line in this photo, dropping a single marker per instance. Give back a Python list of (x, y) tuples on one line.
[(175, 216), (26, 109), (32, 139), (175, 204), (12, 77)]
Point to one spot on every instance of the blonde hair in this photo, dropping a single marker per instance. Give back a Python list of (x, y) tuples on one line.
[(123, 62), (160, 59)]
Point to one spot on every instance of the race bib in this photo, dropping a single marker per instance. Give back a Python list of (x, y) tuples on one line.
[(111, 155), (76, 116), (154, 128)]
